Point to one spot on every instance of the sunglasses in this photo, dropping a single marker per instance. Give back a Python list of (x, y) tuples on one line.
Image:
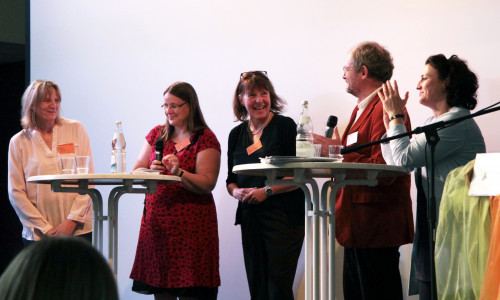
[(246, 75)]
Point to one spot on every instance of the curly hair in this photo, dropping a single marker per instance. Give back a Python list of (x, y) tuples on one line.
[(249, 81), (375, 58), (461, 83)]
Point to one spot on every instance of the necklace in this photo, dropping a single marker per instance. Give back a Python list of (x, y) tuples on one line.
[(261, 126)]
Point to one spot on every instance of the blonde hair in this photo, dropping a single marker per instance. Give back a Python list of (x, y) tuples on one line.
[(33, 95)]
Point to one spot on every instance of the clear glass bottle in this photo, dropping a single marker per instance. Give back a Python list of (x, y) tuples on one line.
[(304, 141), (118, 153)]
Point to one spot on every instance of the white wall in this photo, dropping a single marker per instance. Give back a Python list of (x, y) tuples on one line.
[(114, 59)]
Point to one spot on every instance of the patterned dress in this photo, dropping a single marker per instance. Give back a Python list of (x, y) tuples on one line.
[(178, 241)]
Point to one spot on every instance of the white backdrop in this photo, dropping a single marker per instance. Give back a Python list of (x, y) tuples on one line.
[(114, 59)]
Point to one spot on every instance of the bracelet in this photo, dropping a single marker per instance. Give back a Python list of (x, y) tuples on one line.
[(181, 173), (396, 116)]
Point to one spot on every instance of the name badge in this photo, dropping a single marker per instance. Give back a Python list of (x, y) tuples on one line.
[(254, 147), (352, 138), (66, 148), (182, 144)]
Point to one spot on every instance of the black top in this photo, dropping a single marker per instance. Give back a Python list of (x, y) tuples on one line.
[(278, 138)]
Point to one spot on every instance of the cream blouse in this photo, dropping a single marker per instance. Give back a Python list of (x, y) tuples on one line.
[(38, 208)]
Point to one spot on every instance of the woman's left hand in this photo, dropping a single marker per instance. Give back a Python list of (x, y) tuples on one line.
[(392, 102), (389, 95), (255, 196), (157, 165), (67, 227), (171, 163)]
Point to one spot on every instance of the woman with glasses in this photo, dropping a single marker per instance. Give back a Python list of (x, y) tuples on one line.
[(271, 218), (178, 250)]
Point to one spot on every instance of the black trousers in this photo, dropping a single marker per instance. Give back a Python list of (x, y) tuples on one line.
[(424, 290), (271, 247), (372, 274)]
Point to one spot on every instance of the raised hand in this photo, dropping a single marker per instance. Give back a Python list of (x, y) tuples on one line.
[(389, 95), (392, 102)]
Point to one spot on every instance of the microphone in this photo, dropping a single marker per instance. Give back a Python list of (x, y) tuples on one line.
[(330, 124), (159, 149)]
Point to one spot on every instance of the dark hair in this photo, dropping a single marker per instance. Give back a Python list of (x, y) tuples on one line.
[(461, 83), (249, 81), (375, 58), (58, 268), (186, 92)]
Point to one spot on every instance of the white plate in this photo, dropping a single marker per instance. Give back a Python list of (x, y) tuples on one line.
[(287, 159)]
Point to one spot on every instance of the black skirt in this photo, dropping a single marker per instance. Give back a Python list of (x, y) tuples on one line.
[(200, 292)]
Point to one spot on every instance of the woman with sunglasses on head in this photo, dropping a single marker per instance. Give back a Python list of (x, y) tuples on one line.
[(448, 87), (271, 218), (178, 250)]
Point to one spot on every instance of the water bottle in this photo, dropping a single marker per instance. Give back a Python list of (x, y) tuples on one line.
[(304, 142), (118, 154)]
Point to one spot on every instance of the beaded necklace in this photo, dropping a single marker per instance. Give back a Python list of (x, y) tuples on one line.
[(262, 126)]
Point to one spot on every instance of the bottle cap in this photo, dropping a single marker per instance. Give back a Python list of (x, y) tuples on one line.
[(305, 102), (118, 122)]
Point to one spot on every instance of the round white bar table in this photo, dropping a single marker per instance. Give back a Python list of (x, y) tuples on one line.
[(84, 184), (320, 245)]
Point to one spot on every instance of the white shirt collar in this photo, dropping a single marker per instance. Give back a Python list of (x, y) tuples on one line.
[(364, 103)]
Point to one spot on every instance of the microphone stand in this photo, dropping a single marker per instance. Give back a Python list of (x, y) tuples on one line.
[(432, 140)]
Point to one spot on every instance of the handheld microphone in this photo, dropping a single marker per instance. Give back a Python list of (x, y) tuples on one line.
[(330, 125), (159, 149)]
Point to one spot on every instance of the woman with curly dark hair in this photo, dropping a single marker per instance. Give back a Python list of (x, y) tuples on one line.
[(448, 87)]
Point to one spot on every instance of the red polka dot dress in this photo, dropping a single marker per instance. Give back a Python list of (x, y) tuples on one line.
[(178, 240)]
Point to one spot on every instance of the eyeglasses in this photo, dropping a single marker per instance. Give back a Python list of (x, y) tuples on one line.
[(345, 69), (246, 75), (349, 68), (175, 107)]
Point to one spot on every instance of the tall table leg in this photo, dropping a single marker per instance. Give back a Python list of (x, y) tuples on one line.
[(311, 242), (307, 243), (113, 198), (95, 195), (98, 218), (334, 186), (324, 241), (339, 182), (315, 242)]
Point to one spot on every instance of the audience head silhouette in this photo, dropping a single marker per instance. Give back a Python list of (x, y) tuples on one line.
[(58, 268)]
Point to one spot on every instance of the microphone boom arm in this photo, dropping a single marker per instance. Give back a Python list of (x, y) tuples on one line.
[(424, 129)]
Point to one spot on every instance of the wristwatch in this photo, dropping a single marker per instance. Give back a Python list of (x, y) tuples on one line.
[(269, 191)]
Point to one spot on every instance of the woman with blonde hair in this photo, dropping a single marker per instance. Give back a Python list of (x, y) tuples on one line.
[(34, 151)]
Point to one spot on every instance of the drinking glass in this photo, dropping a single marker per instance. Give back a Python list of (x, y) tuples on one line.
[(82, 164), (334, 151), (68, 165), (317, 150)]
